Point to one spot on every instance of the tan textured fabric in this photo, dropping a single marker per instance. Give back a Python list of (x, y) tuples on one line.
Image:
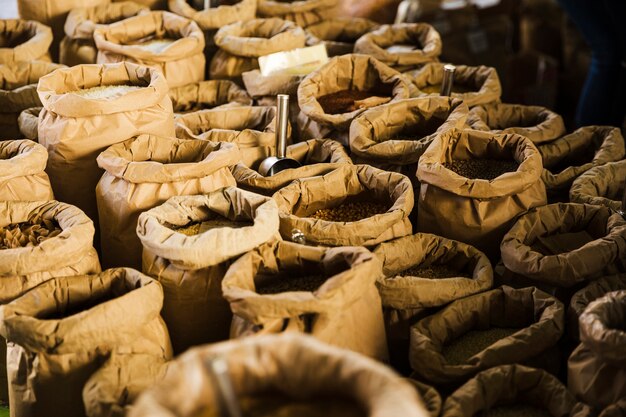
[(208, 95), (597, 368), (28, 123), (339, 34), (22, 176), (215, 17), (60, 331), (194, 308), (266, 364), (430, 397), (152, 4), (539, 318), (144, 172), (259, 86), (302, 12), (181, 62), (76, 129), (349, 183), (617, 409), (602, 185), (24, 41)]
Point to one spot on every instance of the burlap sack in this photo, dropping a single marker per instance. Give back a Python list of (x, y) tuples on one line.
[(144, 172), (152, 4), (477, 212), (347, 184), (347, 72), (61, 331), (534, 122), (182, 61), (615, 410), (208, 95), (75, 129), (286, 365), (339, 34), (242, 43), (24, 41), (513, 386), (345, 311), (430, 397), (537, 317), (402, 46), (597, 368), (28, 123), (317, 157), (474, 85), (78, 46), (602, 185), (302, 12), (22, 176), (194, 308)]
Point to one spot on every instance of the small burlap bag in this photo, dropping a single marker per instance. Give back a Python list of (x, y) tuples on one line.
[(24, 41), (210, 94), (602, 185), (28, 123), (22, 176)]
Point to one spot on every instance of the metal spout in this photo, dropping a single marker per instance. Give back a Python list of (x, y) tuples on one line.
[(282, 122), (448, 80)]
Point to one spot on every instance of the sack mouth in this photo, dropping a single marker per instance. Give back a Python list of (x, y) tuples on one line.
[(602, 327), (601, 185), (13, 77), (215, 17), (20, 158), (23, 40), (341, 30), (280, 8), (205, 95), (81, 22), (253, 118)]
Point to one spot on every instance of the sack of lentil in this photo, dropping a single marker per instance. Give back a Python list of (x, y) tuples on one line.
[(339, 34), (597, 368), (28, 123), (302, 12), (474, 85), (474, 184), (242, 43), (78, 46), (354, 205), (329, 293), (534, 122), (602, 185), (430, 397), (402, 46), (335, 94), (205, 95), (22, 176), (175, 236), (514, 390), (498, 327), (144, 172), (316, 157), (89, 108), (164, 40), (24, 41), (281, 375)]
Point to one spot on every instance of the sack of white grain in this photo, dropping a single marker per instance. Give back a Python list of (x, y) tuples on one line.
[(603, 185), (152, 4), (423, 271), (474, 85), (61, 331), (206, 95), (499, 327), (474, 184), (145, 171), (597, 368), (281, 375), (430, 397), (335, 94), (303, 13), (537, 123), (339, 34), (329, 293), (78, 46), (175, 236), (242, 43), (22, 176), (163, 40), (88, 108), (18, 92), (403, 46), (513, 390), (28, 122), (316, 157), (24, 41), (354, 205)]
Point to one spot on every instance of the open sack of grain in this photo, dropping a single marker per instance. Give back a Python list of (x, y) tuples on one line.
[(302, 12), (498, 327), (164, 40), (281, 375), (175, 237), (339, 34), (78, 46), (145, 171), (474, 185), (317, 157), (22, 176), (28, 123), (24, 41), (602, 185), (206, 95), (329, 293)]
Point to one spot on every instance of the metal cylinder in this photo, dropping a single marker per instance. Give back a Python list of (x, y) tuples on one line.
[(223, 388), (623, 210), (448, 80), (282, 124)]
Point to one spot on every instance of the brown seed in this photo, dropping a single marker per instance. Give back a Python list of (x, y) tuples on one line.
[(458, 351), (213, 221), (350, 212), (344, 101), (516, 410), (433, 271), (284, 283), (485, 169)]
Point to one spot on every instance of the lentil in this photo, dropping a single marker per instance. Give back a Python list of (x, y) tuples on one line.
[(458, 351), (350, 212), (484, 169), (284, 283), (347, 101), (517, 410), (433, 271), (27, 234)]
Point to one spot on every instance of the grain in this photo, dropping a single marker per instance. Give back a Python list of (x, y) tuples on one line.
[(347, 101), (284, 283), (433, 271), (350, 212), (276, 405), (28, 234), (456, 88), (458, 351), (212, 221), (156, 46), (517, 410), (105, 91), (484, 169)]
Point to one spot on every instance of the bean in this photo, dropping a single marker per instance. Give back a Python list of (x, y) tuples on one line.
[(516, 410), (278, 284), (485, 169), (350, 212), (433, 271), (458, 351)]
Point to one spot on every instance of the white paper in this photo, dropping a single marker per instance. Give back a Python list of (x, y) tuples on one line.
[(301, 61)]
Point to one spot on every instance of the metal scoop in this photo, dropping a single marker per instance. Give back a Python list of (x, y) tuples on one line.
[(623, 210), (224, 391), (274, 164), (448, 80)]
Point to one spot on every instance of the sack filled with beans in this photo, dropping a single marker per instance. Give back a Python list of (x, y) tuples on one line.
[(430, 397), (339, 34), (354, 205), (175, 237), (78, 46), (144, 172), (164, 40), (402, 46), (537, 123), (206, 95), (511, 391), (498, 327), (329, 293), (57, 342), (24, 41), (302, 12), (276, 375), (22, 175), (335, 94), (316, 157), (89, 108), (602, 185), (474, 85), (28, 123), (597, 368), (474, 184)]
